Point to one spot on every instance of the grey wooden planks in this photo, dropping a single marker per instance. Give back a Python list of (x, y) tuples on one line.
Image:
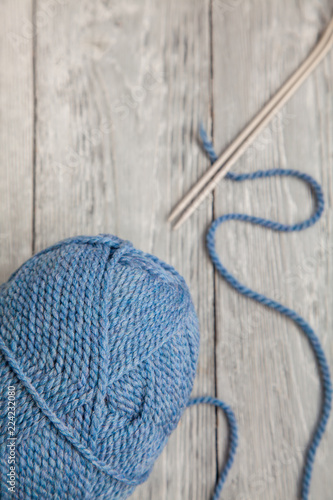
[(16, 135), (264, 364), (100, 105), (119, 94)]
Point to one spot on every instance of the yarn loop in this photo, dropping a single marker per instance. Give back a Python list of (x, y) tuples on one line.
[(273, 304)]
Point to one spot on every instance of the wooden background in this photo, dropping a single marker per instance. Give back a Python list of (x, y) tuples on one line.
[(100, 103)]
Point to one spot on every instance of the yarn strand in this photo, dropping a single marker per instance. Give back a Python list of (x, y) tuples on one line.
[(233, 437), (273, 304)]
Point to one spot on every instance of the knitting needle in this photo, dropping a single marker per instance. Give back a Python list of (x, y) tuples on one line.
[(268, 111), (239, 145)]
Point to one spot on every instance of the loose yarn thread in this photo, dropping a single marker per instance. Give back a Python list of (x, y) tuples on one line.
[(273, 304), (233, 437)]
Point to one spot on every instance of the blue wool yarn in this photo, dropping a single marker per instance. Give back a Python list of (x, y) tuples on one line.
[(273, 304), (100, 341)]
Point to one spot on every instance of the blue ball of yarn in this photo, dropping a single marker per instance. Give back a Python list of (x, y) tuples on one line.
[(99, 344)]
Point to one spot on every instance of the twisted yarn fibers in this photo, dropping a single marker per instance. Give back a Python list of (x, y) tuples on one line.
[(100, 341), (314, 341)]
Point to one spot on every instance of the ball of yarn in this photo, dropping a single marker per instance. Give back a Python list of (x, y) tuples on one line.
[(100, 343)]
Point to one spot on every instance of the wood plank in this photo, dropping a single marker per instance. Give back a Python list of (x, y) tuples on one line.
[(16, 135), (264, 365), (120, 93), (119, 96)]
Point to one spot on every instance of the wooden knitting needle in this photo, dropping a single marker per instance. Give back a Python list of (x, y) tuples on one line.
[(210, 179)]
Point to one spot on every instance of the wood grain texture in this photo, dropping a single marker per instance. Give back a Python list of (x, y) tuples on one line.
[(264, 364), (120, 93), (100, 105), (16, 135)]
